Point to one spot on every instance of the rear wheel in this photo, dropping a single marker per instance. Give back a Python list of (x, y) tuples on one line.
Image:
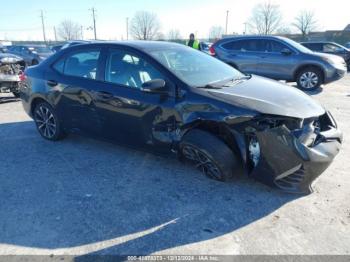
[(309, 79), (47, 122), (209, 154)]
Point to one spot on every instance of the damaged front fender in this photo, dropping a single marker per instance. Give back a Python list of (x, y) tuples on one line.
[(290, 165)]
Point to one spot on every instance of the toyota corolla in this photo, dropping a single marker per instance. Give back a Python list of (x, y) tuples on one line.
[(169, 98)]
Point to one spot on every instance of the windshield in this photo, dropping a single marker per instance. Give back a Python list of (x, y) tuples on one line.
[(297, 46), (40, 49), (195, 68)]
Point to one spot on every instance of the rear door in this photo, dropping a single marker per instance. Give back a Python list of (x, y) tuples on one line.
[(274, 62), (241, 54), (73, 79)]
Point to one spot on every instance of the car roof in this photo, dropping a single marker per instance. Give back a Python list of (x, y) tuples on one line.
[(318, 42), (138, 44), (242, 37)]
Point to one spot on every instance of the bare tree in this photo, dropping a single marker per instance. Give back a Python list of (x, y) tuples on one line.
[(305, 22), (145, 26), (174, 34), (216, 32), (69, 30), (266, 18)]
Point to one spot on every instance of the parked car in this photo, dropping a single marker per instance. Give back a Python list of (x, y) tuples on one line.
[(330, 48), (169, 98), (11, 68), (3, 49), (32, 54), (205, 47), (281, 59)]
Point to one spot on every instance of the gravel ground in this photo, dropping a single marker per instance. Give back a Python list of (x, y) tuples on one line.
[(80, 196)]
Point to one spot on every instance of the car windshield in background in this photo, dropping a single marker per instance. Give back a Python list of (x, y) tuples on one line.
[(297, 46), (40, 49), (195, 68)]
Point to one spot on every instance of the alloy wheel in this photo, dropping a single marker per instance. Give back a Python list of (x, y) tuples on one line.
[(309, 80), (202, 162), (45, 122)]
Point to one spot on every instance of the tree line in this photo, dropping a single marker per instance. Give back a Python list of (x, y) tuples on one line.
[(266, 18)]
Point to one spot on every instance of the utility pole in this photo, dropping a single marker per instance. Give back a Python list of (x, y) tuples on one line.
[(226, 22), (94, 20), (245, 28), (43, 24), (54, 31), (127, 28), (82, 32)]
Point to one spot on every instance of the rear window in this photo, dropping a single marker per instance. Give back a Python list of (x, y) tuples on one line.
[(251, 45), (81, 64)]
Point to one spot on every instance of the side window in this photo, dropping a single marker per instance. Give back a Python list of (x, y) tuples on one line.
[(276, 47), (234, 45), (252, 45), (81, 64), (129, 70), (330, 48), (256, 45)]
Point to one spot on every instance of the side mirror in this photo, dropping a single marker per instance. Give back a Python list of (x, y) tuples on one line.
[(154, 86), (286, 51)]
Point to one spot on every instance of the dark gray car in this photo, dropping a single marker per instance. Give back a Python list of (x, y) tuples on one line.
[(281, 59), (330, 48), (32, 54)]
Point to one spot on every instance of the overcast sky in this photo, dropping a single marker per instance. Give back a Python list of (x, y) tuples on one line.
[(19, 20)]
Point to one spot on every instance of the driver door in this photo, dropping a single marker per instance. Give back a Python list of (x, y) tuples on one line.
[(128, 114)]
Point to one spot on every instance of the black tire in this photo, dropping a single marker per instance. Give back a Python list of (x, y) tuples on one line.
[(47, 122), (309, 79), (208, 147), (35, 62), (16, 94)]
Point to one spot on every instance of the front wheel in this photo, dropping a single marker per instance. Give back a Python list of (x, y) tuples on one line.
[(209, 154), (47, 122), (309, 79)]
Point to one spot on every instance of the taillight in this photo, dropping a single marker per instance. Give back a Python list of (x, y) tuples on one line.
[(212, 51), (22, 77)]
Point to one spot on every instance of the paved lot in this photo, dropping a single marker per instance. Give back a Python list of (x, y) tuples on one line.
[(81, 196)]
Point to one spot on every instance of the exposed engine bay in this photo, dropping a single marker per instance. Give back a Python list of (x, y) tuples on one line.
[(11, 67)]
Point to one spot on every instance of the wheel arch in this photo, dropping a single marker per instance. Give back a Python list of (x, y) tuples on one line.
[(302, 67), (221, 131), (35, 101)]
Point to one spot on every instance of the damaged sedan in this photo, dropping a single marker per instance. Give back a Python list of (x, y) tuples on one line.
[(11, 68), (169, 98)]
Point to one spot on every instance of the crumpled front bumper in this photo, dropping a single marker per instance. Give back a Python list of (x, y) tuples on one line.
[(288, 164)]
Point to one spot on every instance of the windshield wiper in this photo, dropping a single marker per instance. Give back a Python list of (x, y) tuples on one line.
[(209, 86)]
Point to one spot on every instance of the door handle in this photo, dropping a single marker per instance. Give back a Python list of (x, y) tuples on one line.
[(52, 83), (104, 95)]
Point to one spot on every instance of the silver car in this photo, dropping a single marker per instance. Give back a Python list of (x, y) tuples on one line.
[(280, 58)]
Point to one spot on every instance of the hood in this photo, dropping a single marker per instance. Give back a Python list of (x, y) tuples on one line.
[(335, 58), (269, 97)]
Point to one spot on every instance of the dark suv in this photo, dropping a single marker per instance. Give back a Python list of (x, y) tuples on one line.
[(330, 48), (281, 59)]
